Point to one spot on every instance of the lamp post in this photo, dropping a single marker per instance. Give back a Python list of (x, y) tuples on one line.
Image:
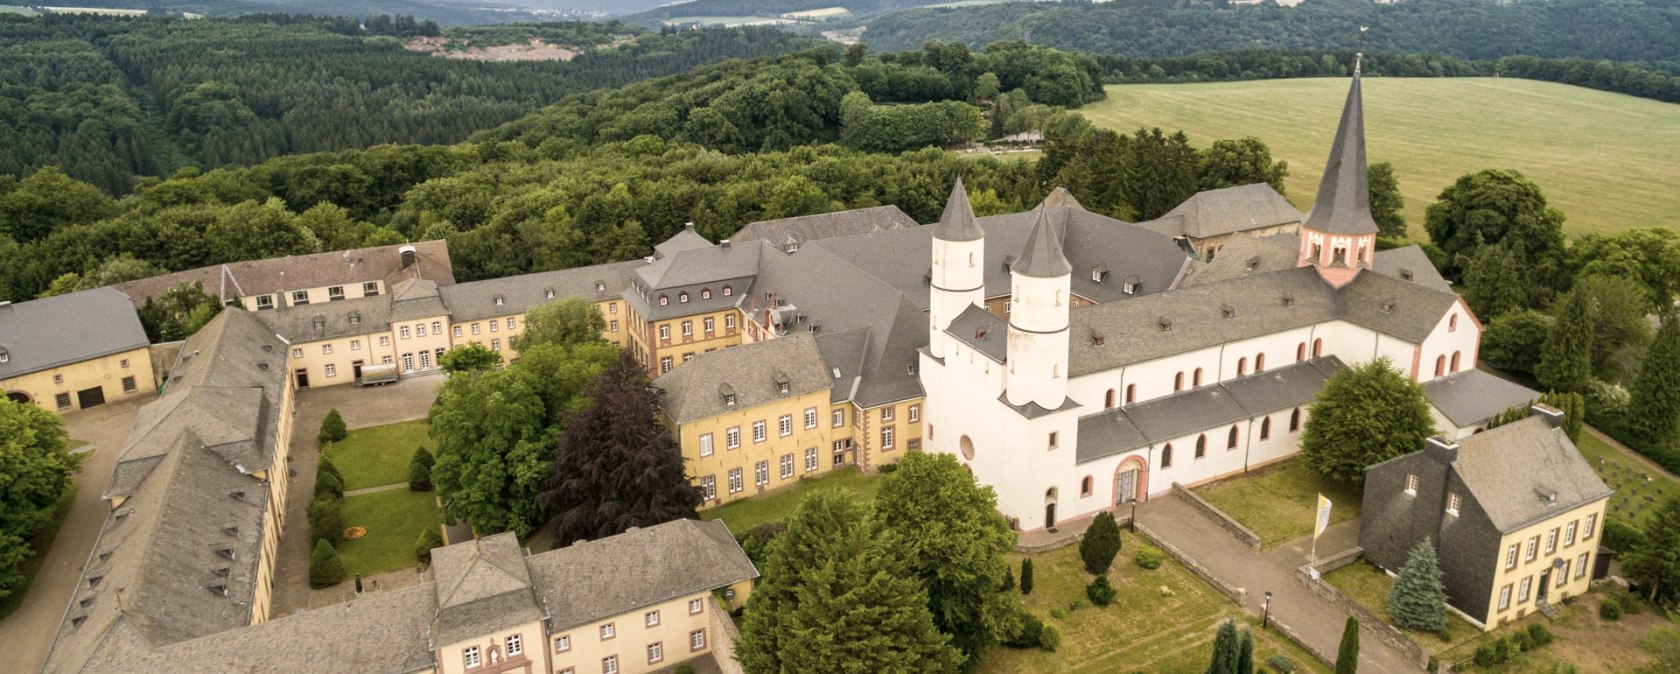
[(1266, 612), (1134, 516)]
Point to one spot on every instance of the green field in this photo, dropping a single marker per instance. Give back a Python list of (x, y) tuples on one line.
[(1608, 161), (1278, 502), (14, 9)]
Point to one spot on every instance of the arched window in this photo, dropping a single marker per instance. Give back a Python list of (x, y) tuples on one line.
[(1295, 420), (1178, 382), (1196, 379), (1242, 366), (1318, 348), (1455, 361), (1166, 456), (1201, 445), (1301, 352), (1440, 365), (1259, 363), (1452, 322), (1231, 438), (1085, 486), (1108, 400), (1266, 428), (1131, 393)]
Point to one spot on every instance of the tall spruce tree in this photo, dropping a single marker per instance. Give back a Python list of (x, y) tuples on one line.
[(1226, 649), (1494, 284), (1100, 543), (617, 466), (1347, 655), (1566, 357), (1386, 201), (1654, 412), (1245, 653), (1656, 560), (1418, 600)]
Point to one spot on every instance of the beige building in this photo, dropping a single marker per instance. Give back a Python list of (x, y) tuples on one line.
[(1204, 223), (298, 280), (197, 506), (74, 351)]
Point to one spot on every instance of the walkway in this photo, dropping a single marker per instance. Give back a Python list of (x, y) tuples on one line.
[(29, 632), (1317, 621)]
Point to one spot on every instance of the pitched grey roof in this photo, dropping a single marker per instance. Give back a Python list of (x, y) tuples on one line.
[(1226, 211), (53, 331), (957, 223), (1244, 255), (183, 546), (684, 239), (483, 586), (798, 230), (1474, 396), (1042, 256), (981, 331), (585, 582), (1515, 469), (297, 272), (1207, 408), (311, 322), (415, 298), (751, 372), (477, 300), (1343, 203), (1409, 263)]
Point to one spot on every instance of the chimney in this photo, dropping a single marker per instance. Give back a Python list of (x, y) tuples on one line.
[(1552, 415), (724, 244), (1441, 449), (407, 256), (688, 226)]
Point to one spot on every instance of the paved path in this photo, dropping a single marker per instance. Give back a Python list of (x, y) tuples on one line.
[(375, 490), (1316, 620), (27, 633)]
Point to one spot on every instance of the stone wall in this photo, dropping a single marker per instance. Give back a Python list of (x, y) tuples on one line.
[(1385, 632), (724, 635), (1236, 529)]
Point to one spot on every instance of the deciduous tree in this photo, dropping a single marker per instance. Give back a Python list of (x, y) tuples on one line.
[(178, 312), (493, 449), (468, 357), (35, 470), (1230, 163), (1418, 600), (1492, 206), (1513, 341), (567, 322), (1365, 415)]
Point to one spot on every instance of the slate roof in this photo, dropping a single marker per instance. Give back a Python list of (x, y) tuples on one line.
[(298, 272), (981, 331), (483, 587), (1474, 396), (416, 298), (957, 222), (1206, 408), (477, 300), (54, 331), (1409, 263), (586, 582), (312, 322), (1514, 470), (798, 230), (183, 546), (1343, 202), (751, 372), (1042, 256), (1244, 255), (1226, 211)]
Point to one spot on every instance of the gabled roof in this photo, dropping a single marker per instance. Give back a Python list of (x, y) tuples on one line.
[(589, 581), (415, 298), (234, 280), (1226, 211), (55, 331), (957, 223), (1409, 263), (477, 300), (1042, 256), (1343, 202), (311, 322), (751, 373), (483, 586), (798, 230), (1526, 471), (1474, 396)]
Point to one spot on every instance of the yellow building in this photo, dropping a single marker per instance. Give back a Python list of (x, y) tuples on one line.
[(301, 280), (1515, 513), (74, 351)]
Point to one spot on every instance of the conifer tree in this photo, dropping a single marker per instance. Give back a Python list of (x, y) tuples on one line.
[(1226, 649), (1347, 655), (1566, 357), (1026, 576), (1656, 560), (1245, 653), (1654, 412), (1494, 284), (332, 428), (1418, 600), (618, 467), (1100, 544), (325, 569)]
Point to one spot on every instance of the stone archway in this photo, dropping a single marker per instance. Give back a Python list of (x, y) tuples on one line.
[(19, 397), (1132, 473), (1051, 496)]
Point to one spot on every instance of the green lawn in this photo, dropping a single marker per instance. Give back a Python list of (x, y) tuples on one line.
[(1368, 586), (394, 520), (743, 515), (39, 544), (1144, 630), (1578, 144), (379, 455), (1278, 502), (1633, 481), (1582, 642)]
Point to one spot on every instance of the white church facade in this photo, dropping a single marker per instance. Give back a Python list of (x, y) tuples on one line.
[(1068, 407)]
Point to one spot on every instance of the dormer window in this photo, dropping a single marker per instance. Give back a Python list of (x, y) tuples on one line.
[(727, 291), (1252, 264), (548, 293), (499, 301), (1008, 261), (728, 394), (682, 298), (600, 286), (664, 301), (5, 356), (1129, 288), (705, 293), (1098, 274), (355, 318), (1388, 305), (1096, 338)]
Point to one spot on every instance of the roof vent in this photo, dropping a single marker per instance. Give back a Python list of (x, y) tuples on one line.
[(230, 529), (266, 347), (724, 244), (1288, 300), (1388, 305), (220, 571), (219, 589), (77, 621), (1008, 261), (237, 494), (836, 373), (1096, 338), (910, 369), (1406, 274), (1227, 311), (1165, 323), (225, 552), (1252, 264), (981, 332), (262, 366)]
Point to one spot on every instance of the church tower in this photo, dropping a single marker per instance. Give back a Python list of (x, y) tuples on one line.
[(1339, 235), (1038, 319), (957, 277)]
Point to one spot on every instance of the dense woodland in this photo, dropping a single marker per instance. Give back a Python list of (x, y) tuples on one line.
[(111, 99), (1634, 30)]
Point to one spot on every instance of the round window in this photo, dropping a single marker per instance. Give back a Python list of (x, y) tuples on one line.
[(967, 448)]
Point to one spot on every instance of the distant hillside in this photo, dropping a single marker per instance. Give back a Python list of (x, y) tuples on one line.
[(859, 9), (1597, 155), (446, 12)]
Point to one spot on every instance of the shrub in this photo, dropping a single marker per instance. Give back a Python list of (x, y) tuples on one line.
[(1629, 602), (326, 520), (1100, 591), (684, 669), (1511, 647), (1610, 609), (328, 485), (1538, 635), (887, 469), (1489, 655), (1026, 576), (1149, 557), (419, 477), (1100, 544), (325, 466), (324, 568), (1008, 579), (1281, 664), (1520, 638), (429, 539), (1058, 614), (1050, 638), (756, 541), (332, 428), (1030, 633), (1621, 536), (423, 456)]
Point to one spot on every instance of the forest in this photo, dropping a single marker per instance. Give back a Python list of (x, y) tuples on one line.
[(112, 99), (1634, 30)]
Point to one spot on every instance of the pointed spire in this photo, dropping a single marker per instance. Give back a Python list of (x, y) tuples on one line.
[(958, 223), (1343, 204), (1059, 198), (1043, 256)]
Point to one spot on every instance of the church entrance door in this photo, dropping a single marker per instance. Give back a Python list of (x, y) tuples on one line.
[(1125, 487)]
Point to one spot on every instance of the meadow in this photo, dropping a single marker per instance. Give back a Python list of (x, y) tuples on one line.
[(1608, 161)]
